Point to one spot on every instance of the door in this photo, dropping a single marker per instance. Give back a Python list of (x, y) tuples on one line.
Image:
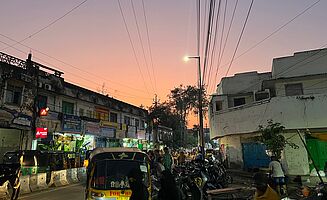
[(254, 155)]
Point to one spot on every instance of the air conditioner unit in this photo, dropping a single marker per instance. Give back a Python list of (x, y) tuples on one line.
[(261, 95), (47, 87)]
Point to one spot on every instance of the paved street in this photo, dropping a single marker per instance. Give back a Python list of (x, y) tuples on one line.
[(71, 192)]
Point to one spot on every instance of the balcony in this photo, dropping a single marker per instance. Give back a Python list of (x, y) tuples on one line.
[(293, 112)]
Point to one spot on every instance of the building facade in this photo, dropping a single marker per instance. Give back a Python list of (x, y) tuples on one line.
[(294, 94), (76, 118)]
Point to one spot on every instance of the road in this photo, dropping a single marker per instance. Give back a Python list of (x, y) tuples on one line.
[(70, 192)]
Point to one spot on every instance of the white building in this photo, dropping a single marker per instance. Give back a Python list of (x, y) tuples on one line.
[(293, 94)]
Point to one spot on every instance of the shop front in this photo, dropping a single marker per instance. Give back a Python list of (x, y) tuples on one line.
[(15, 131), (109, 133)]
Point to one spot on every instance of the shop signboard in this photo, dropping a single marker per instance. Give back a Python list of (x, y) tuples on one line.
[(52, 125), (120, 134), (141, 134), (22, 120), (110, 124), (91, 128), (41, 132), (131, 132), (107, 132), (71, 123)]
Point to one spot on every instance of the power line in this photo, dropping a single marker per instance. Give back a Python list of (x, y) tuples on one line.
[(293, 65), (226, 39), (149, 44), (131, 42), (239, 39), (47, 26), (141, 41), (214, 42), (70, 65), (276, 31), (72, 73)]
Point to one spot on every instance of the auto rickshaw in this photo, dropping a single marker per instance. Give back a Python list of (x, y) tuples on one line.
[(111, 170)]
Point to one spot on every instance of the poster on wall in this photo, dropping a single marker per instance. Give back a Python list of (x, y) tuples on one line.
[(71, 123), (108, 132)]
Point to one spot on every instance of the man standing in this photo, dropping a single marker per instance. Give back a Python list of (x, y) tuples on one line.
[(277, 174), (263, 190), (167, 159)]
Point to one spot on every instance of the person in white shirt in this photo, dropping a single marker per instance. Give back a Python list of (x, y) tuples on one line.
[(277, 174)]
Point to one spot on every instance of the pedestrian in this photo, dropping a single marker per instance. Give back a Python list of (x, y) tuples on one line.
[(139, 189), (263, 190), (169, 189), (277, 174), (181, 158), (167, 159)]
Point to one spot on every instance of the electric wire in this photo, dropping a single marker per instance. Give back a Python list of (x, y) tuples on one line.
[(149, 45), (293, 65), (132, 45), (239, 39), (70, 65), (276, 31), (226, 40), (74, 74), (208, 38), (212, 57), (220, 44), (47, 26), (142, 46)]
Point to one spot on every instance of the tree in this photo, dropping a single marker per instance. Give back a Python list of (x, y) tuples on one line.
[(272, 137)]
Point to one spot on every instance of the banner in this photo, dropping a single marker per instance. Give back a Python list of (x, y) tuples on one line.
[(71, 123)]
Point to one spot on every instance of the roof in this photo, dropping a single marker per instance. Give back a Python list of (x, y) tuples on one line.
[(99, 150)]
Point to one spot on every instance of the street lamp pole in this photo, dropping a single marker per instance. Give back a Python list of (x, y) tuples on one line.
[(200, 111)]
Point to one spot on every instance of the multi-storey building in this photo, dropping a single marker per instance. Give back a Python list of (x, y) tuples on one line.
[(77, 117), (294, 94)]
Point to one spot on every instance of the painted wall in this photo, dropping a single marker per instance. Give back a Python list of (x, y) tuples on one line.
[(295, 160), (291, 111), (301, 63), (233, 150)]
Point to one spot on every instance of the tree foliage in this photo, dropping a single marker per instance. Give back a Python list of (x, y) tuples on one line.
[(272, 137), (173, 113)]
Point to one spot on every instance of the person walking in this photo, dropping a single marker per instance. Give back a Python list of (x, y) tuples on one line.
[(167, 159), (277, 174)]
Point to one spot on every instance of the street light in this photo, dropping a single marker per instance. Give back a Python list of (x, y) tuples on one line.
[(201, 135)]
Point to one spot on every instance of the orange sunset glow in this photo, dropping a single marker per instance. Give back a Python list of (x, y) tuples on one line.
[(135, 49)]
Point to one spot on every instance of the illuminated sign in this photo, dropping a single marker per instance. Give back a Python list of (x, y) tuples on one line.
[(44, 111), (41, 132)]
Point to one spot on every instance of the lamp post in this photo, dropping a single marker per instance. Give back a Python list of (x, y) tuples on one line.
[(201, 134)]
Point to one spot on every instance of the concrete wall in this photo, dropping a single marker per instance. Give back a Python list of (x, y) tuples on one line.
[(10, 140), (291, 111), (310, 86), (233, 150), (243, 82), (295, 160), (301, 63)]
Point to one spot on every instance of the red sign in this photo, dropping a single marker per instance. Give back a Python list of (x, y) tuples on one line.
[(44, 111), (41, 133)]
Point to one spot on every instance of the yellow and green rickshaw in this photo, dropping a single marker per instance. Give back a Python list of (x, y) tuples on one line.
[(110, 172)]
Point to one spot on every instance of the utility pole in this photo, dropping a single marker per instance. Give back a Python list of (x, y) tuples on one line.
[(155, 123), (35, 69)]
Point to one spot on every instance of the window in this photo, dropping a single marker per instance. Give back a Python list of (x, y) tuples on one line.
[(42, 101), (142, 124), (219, 105), (81, 112), (90, 114), (127, 120), (137, 123), (67, 107), (293, 89), (239, 101), (14, 94), (113, 117)]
